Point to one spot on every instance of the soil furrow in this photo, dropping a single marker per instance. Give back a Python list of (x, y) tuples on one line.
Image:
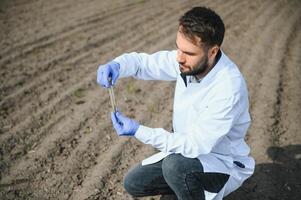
[(52, 104), (56, 136), (276, 129), (263, 89), (89, 95), (290, 94), (52, 166), (57, 100), (137, 151), (283, 182), (52, 65), (286, 151), (112, 190), (73, 24), (62, 135), (22, 76), (277, 167), (100, 19), (227, 14), (35, 90), (145, 96), (95, 180), (238, 32), (35, 85)]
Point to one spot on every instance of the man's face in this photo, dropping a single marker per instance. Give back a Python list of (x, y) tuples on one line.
[(192, 58)]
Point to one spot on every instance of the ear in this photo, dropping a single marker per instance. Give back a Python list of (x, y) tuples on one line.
[(213, 51)]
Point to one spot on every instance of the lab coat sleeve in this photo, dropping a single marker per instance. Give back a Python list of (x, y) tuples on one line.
[(205, 132), (161, 65)]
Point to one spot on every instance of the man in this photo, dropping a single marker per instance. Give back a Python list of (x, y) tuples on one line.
[(205, 157)]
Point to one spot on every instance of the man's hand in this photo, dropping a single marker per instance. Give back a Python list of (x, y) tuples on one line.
[(107, 74), (124, 125)]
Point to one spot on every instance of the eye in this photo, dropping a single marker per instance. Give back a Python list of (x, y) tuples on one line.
[(189, 53)]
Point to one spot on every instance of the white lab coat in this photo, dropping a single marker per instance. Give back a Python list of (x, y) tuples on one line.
[(210, 118)]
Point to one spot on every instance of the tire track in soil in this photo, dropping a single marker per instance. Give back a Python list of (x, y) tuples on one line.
[(43, 111)]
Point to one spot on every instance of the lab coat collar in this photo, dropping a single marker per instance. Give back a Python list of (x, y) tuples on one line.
[(184, 77), (208, 78), (217, 67)]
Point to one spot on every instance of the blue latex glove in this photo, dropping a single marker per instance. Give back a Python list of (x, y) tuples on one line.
[(124, 125), (108, 74)]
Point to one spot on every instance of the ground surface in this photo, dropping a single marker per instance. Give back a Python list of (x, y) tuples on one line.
[(56, 139)]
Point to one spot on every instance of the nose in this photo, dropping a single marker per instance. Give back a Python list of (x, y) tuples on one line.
[(180, 57)]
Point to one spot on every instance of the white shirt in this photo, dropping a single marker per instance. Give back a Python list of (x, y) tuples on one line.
[(210, 118)]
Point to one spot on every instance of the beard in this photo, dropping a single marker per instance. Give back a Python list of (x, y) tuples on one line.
[(201, 68)]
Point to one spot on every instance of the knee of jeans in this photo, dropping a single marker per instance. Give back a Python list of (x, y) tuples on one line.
[(128, 184), (172, 166)]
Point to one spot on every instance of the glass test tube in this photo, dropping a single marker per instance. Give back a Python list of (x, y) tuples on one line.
[(112, 98)]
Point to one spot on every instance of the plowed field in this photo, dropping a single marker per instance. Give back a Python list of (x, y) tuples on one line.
[(56, 137)]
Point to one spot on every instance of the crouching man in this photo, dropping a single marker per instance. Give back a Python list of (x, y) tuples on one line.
[(205, 156)]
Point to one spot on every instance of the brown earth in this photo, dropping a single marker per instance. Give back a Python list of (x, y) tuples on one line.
[(56, 138)]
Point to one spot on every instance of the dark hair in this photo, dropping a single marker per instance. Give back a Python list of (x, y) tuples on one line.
[(203, 23)]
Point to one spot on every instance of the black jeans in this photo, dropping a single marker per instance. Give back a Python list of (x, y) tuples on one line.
[(175, 174)]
